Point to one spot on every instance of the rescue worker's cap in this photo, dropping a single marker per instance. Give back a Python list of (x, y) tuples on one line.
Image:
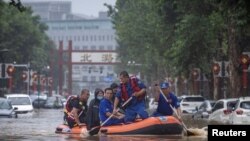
[(164, 85)]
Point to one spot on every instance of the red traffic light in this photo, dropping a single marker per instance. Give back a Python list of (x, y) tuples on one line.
[(10, 69), (195, 74), (34, 76), (244, 59), (24, 76), (50, 81), (216, 68)]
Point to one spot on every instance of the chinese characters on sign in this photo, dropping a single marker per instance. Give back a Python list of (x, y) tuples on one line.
[(107, 57), (94, 57), (86, 57)]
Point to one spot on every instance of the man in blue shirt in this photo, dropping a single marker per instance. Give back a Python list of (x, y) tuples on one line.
[(106, 109), (164, 108), (131, 87)]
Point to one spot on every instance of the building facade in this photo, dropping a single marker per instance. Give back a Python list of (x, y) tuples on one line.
[(93, 51), (49, 10)]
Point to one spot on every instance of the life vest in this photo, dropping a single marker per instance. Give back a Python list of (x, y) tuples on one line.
[(68, 109), (135, 88)]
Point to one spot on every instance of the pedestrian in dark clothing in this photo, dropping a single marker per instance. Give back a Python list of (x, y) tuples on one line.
[(93, 119)]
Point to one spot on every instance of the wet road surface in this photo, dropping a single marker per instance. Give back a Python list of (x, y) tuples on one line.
[(41, 125)]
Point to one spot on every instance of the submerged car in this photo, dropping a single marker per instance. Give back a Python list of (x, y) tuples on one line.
[(6, 109), (241, 111), (188, 103), (54, 102), (22, 102), (222, 110), (204, 110)]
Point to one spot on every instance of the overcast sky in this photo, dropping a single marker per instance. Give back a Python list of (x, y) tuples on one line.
[(86, 7), (90, 7)]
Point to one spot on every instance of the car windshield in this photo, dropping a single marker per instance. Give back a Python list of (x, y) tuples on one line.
[(4, 104), (245, 105), (193, 99), (231, 104), (19, 100), (212, 104)]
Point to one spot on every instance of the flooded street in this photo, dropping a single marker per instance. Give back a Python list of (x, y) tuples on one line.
[(41, 125)]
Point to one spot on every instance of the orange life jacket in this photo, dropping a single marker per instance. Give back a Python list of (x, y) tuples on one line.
[(135, 88)]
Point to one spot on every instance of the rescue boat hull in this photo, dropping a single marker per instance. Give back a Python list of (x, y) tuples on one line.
[(164, 125)]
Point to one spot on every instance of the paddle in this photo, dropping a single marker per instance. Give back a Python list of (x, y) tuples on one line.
[(96, 129), (189, 133)]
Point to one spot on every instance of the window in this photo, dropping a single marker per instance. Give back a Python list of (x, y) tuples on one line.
[(231, 104), (110, 47), (193, 99), (101, 47), (84, 47), (19, 100), (84, 78), (218, 106), (245, 105), (93, 47), (93, 78), (101, 78)]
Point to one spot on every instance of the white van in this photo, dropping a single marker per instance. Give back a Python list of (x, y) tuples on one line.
[(22, 102)]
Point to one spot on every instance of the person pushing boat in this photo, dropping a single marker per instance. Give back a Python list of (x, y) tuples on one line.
[(76, 108), (163, 108)]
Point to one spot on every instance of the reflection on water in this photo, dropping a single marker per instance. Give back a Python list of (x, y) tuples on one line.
[(41, 125)]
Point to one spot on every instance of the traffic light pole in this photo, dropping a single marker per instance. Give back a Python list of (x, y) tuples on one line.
[(27, 66), (3, 80)]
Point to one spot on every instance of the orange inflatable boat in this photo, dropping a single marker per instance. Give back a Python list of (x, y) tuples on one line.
[(164, 125)]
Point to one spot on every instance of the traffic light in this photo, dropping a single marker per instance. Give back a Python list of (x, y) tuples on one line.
[(3, 71), (50, 81), (227, 70), (9, 69), (34, 76), (25, 76), (217, 68), (42, 79), (196, 74)]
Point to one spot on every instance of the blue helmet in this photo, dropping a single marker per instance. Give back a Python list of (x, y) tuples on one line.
[(164, 85)]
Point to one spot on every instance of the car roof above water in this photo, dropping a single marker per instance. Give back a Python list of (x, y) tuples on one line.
[(16, 95)]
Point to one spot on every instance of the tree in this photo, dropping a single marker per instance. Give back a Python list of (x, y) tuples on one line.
[(24, 35)]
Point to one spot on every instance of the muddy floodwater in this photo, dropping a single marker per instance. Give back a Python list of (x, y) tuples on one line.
[(41, 124)]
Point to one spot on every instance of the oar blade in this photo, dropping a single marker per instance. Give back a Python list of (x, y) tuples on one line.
[(94, 130), (190, 133)]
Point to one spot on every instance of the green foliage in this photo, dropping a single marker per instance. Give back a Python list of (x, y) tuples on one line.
[(171, 37), (24, 35)]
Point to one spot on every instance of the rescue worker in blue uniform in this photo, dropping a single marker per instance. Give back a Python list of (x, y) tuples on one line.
[(106, 109), (92, 118), (163, 108), (131, 87), (76, 108)]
